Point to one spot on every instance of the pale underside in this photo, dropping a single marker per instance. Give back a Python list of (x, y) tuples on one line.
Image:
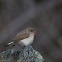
[(27, 41)]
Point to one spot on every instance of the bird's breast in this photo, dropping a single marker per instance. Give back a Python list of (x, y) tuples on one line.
[(27, 41)]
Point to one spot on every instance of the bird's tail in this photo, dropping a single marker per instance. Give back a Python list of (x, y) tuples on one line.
[(8, 44)]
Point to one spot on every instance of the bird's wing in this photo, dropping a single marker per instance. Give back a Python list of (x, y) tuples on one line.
[(21, 36)]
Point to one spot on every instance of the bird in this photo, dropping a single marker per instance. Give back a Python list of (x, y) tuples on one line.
[(23, 38)]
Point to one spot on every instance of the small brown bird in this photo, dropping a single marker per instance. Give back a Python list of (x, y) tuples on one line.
[(24, 38)]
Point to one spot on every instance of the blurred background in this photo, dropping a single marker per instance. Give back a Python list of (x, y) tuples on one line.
[(44, 15)]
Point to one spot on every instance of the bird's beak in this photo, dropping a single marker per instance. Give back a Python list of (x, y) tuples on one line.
[(34, 32)]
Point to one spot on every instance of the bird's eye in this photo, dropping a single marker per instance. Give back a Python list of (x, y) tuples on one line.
[(31, 30)]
